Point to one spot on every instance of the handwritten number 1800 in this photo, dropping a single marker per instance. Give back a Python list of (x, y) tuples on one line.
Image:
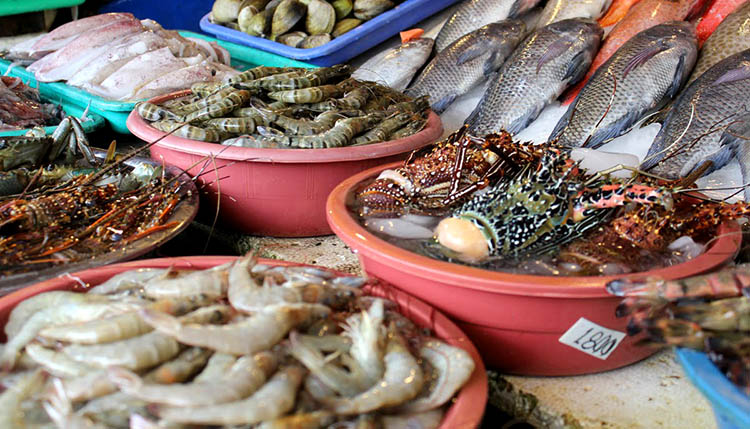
[(597, 341)]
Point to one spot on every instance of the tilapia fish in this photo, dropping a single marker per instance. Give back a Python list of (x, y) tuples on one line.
[(396, 67), (548, 61), (472, 14), (643, 15), (730, 37), (650, 67), (693, 129), (558, 10), (467, 62)]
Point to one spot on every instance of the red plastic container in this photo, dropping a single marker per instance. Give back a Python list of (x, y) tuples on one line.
[(515, 320), (468, 406), (276, 192)]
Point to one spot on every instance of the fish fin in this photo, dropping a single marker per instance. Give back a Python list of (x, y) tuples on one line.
[(471, 53), (442, 104), (734, 75), (577, 68), (719, 158), (515, 10), (562, 123), (678, 79), (524, 120), (554, 50), (642, 58), (658, 117), (613, 130), (492, 64)]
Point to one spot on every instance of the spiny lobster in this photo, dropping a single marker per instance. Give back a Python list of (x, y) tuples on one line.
[(435, 178)]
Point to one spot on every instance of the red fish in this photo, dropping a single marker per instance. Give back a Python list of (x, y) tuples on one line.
[(643, 15), (713, 17), (616, 12)]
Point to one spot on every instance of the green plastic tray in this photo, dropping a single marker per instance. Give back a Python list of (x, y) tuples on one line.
[(94, 123), (116, 112), (15, 7)]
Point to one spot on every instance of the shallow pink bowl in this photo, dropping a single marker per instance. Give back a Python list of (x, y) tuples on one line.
[(468, 406), (276, 192), (515, 320)]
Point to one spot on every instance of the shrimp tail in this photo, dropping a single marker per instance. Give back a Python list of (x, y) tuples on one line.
[(160, 321), (123, 378)]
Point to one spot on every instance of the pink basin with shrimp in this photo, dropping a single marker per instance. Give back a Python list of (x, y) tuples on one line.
[(467, 407)]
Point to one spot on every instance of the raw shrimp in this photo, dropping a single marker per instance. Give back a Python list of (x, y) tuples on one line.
[(367, 334), (11, 398), (315, 419), (146, 350), (114, 328), (245, 294), (59, 315), (204, 283), (424, 420), (92, 385), (57, 363), (128, 280), (258, 332), (60, 410), (401, 382), (217, 366), (347, 383), (271, 401), (29, 306), (187, 363), (112, 410), (453, 367), (245, 377)]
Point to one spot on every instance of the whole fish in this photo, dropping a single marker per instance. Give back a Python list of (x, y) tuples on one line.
[(648, 68), (616, 12), (737, 138), (396, 67), (644, 14), (548, 61), (693, 129), (557, 10), (472, 14), (714, 16), (63, 63), (467, 62), (730, 37)]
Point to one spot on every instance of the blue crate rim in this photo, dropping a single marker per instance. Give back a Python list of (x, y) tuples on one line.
[(725, 398), (329, 48)]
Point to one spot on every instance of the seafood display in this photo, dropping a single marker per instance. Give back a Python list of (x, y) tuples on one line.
[(242, 343), (621, 92), (270, 107), (60, 204), (707, 312), (518, 207), (730, 37), (539, 70), (467, 62), (297, 23), (558, 10), (396, 67), (21, 107), (118, 57)]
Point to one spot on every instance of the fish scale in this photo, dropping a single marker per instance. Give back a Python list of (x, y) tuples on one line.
[(537, 72), (467, 62), (472, 14), (730, 37), (693, 129), (558, 10), (629, 85)]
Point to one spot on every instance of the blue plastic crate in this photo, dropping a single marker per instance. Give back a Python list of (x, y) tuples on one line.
[(346, 46), (170, 15), (731, 406), (116, 112)]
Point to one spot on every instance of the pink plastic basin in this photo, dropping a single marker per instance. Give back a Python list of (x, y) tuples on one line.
[(276, 192), (468, 406), (515, 320)]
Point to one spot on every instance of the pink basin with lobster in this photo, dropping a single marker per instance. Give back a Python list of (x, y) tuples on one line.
[(276, 192), (517, 321)]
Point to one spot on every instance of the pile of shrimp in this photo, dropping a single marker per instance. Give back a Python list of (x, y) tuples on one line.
[(237, 345)]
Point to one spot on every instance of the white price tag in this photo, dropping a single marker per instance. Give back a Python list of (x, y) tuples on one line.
[(592, 339)]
